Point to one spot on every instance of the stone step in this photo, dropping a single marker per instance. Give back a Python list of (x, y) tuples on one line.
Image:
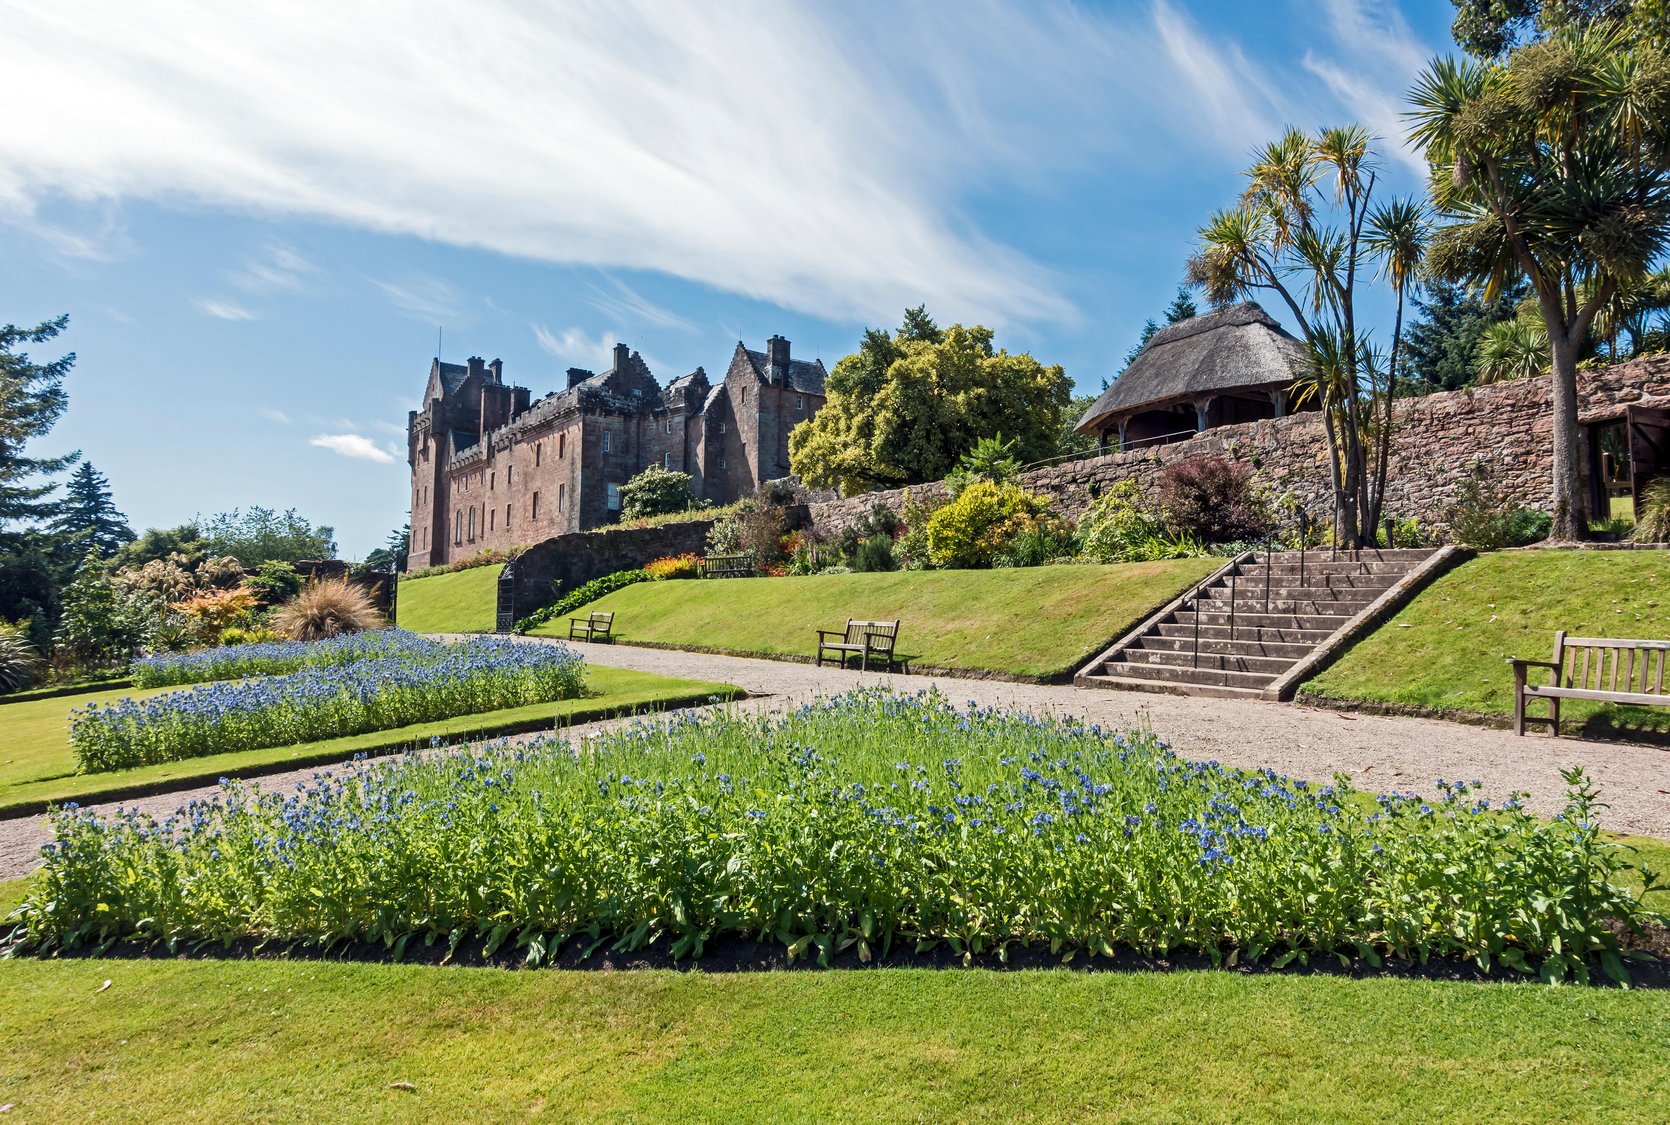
[(1323, 604), (1244, 618), (1209, 661), (1406, 557), (1373, 583), (1308, 638), (1241, 645), (1169, 687), (1172, 673)]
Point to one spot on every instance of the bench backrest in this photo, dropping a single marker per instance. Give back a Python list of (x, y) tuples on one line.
[(601, 622), (878, 635), (1610, 664)]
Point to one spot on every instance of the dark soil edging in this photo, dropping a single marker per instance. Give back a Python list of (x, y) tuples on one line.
[(68, 689), (1599, 732), (393, 746), (738, 954)]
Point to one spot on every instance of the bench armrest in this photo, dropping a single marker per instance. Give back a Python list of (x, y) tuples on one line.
[(1518, 663), (822, 633)]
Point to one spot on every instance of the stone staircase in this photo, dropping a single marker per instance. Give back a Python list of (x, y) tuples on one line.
[(1256, 619)]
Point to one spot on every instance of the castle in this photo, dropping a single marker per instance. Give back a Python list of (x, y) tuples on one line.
[(491, 468)]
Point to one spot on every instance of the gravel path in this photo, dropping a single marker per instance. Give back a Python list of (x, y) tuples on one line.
[(1377, 752)]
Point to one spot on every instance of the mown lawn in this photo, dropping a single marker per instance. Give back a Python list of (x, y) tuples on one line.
[(1038, 621), (282, 1041), (465, 601), (1447, 649), (39, 765)]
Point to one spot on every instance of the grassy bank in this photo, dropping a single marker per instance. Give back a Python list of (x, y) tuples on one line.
[(1447, 649), (239, 1040), (464, 601), (39, 766), (1039, 621)]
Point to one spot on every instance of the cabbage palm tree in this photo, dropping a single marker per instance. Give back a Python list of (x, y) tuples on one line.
[(1306, 229), (1553, 165)]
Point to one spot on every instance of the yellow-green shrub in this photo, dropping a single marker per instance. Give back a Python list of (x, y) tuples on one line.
[(981, 522)]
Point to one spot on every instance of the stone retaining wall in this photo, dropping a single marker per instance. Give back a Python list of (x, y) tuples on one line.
[(571, 560), (1507, 427)]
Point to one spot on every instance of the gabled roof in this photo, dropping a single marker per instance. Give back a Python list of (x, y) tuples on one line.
[(805, 376), (1240, 347), (452, 376)]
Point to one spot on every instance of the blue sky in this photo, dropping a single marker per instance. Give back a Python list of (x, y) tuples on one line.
[(258, 216)]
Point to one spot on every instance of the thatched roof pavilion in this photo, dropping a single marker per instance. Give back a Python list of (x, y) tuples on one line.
[(1235, 364)]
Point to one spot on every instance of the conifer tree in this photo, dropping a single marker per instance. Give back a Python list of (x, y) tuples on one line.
[(32, 399), (87, 517)]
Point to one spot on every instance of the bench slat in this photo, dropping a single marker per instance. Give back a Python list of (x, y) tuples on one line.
[(1645, 698)]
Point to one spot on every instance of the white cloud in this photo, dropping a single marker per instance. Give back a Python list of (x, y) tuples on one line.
[(628, 306), (224, 310), (1376, 59), (278, 269), (575, 347), (357, 446), (825, 158), (278, 416), (431, 299)]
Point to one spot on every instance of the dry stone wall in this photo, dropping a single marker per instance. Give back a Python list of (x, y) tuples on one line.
[(1508, 428)]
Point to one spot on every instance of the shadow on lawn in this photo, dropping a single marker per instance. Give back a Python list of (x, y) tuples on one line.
[(1647, 960)]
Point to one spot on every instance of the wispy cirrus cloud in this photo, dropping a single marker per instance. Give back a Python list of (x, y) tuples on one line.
[(278, 269), (627, 306), (274, 415), (224, 310), (574, 346), (432, 299), (356, 446), (777, 150)]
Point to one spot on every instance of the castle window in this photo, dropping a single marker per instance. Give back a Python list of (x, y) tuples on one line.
[(426, 539), (800, 402), (538, 452), (721, 462), (606, 440), (492, 482), (472, 524), (507, 517), (562, 498), (669, 425), (509, 477), (667, 460), (722, 427), (536, 505), (562, 446), (744, 394), (492, 518), (458, 526), (614, 497)]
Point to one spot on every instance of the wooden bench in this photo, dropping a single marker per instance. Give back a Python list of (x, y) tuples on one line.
[(1599, 668), (863, 638), (592, 627)]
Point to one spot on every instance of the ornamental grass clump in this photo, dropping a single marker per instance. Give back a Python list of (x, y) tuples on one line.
[(869, 823), (267, 658), (333, 701), (326, 609)]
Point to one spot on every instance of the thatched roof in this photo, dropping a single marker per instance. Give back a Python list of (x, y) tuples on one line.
[(1238, 348)]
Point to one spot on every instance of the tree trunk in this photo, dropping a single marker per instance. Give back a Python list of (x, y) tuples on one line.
[(1570, 520)]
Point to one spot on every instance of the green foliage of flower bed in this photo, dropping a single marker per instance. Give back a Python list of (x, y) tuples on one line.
[(463, 601), (419, 684), (269, 658), (869, 821)]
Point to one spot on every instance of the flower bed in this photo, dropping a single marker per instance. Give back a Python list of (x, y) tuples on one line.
[(870, 821), (269, 658), (425, 683)]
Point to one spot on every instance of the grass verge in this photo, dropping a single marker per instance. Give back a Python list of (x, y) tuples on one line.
[(1446, 651), (85, 688), (1038, 622), (42, 770), (169, 1040), (464, 601)]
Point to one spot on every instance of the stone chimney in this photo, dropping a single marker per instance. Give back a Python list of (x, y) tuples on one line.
[(477, 367), (497, 368), (777, 360), (577, 375), (622, 354)]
